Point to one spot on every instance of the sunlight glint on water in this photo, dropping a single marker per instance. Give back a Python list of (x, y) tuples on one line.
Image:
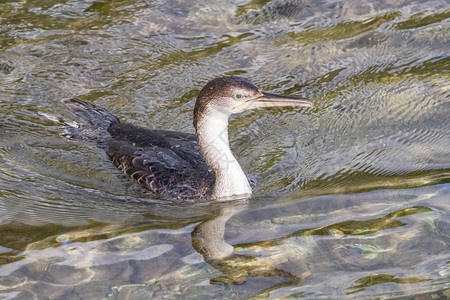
[(352, 196)]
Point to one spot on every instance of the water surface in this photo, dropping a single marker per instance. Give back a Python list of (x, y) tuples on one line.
[(352, 199)]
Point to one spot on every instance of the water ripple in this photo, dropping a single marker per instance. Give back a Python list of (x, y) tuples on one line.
[(350, 194)]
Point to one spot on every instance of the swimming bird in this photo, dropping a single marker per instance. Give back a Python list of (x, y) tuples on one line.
[(185, 166)]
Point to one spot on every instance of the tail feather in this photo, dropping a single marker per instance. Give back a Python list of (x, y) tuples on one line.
[(92, 122), (89, 114)]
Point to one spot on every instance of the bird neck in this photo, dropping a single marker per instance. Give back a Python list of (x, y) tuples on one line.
[(212, 131)]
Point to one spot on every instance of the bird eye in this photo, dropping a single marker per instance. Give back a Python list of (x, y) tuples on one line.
[(238, 96)]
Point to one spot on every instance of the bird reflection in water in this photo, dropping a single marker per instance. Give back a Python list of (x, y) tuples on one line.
[(208, 240)]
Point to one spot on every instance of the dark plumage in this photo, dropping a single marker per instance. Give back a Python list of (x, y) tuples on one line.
[(166, 162)]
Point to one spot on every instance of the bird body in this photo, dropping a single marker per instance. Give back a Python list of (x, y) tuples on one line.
[(181, 165)]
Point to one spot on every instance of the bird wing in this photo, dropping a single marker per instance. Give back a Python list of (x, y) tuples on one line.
[(165, 162)]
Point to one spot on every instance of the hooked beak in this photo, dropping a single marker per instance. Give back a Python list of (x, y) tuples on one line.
[(273, 100)]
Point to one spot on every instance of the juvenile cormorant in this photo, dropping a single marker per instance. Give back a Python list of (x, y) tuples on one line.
[(182, 165)]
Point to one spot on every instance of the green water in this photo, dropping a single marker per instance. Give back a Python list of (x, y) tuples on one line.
[(352, 198)]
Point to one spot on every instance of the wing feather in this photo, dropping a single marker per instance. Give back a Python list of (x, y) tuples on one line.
[(167, 163)]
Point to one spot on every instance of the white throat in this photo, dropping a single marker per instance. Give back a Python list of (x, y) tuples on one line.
[(212, 131)]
